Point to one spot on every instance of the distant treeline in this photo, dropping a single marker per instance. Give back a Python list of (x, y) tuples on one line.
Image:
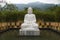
[(11, 13)]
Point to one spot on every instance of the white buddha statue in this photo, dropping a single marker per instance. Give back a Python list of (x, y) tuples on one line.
[(29, 27), (29, 21)]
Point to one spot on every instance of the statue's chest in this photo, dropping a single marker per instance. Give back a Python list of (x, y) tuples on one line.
[(30, 16)]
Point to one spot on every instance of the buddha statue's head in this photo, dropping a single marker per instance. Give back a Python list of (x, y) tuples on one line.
[(30, 11)]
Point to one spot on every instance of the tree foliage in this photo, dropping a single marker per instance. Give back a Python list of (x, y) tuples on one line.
[(11, 13)]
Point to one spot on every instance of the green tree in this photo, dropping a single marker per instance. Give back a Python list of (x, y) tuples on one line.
[(10, 7)]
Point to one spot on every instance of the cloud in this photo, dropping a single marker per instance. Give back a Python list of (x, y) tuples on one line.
[(20, 1), (59, 1), (28, 1), (51, 1)]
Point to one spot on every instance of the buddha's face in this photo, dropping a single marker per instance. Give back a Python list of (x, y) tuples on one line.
[(29, 10)]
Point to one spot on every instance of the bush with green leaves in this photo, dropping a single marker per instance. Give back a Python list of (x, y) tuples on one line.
[(50, 14)]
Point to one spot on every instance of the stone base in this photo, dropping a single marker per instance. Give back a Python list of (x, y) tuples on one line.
[(29, 32)]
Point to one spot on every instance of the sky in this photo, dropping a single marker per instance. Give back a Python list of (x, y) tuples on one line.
[(28, 1)]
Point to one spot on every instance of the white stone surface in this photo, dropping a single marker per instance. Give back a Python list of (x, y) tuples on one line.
[(29, 32), (29, 27)]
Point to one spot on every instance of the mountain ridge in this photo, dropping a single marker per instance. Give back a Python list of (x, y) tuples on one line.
[(38, 5)]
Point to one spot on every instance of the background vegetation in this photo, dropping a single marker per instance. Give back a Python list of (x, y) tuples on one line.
[(11, 13)]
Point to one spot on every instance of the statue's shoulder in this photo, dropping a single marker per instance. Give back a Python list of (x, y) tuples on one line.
[(26, 14), (33, 14)]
